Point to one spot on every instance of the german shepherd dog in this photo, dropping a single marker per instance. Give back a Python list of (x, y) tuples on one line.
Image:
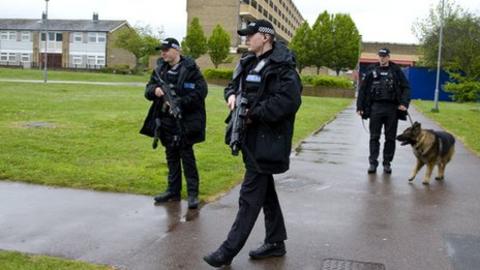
[(430, 147)]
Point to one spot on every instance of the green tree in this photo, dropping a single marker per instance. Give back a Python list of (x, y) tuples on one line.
[(346, 43), (218, 45), (195, 43), (460, 47), (140, 41), (301, 45), (322, 41)]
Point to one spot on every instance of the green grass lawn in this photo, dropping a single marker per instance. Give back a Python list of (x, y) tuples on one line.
[(91, 140), (18, 261), (36, 74), (462, 119)]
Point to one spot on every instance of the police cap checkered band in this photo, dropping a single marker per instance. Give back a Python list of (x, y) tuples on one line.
[(262, 26), (266, 30)]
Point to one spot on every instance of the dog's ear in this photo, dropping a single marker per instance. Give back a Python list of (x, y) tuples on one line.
[(416, 125)]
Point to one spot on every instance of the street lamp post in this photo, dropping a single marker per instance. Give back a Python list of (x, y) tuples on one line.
[(45, 58), (440, 40)]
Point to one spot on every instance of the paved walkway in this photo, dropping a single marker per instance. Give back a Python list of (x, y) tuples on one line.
[(332, 208)]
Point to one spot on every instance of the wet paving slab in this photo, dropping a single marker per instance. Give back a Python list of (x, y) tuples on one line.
[(334, 211)]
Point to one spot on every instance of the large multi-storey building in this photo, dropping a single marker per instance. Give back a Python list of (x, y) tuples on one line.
[(69, 43), (235, 14)]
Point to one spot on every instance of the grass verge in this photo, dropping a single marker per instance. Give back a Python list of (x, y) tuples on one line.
[(462, 119), (10, 260), (84, 136), (36, 74)]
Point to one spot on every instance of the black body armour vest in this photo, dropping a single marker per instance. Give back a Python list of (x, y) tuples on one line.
[(383, 88)]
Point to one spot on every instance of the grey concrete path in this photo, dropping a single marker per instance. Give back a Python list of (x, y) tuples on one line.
[(332, 208), (75, 82)]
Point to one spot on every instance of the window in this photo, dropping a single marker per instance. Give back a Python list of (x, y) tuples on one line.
[(12, 35), (260, 9), (101, 60), (12, 57), (101, 37), (77, 59), (25, 36), (254, 4), (3, 35), (97, 37), (25, 57), (265, 13), (77, 37), (3, 56), (52, 36), (91, 60)]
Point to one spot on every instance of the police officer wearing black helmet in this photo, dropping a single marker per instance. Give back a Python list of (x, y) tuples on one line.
[(177, 136), (384, 96), (266, 75)]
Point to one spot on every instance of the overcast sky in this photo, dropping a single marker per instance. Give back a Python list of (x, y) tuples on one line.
[(377, 20)]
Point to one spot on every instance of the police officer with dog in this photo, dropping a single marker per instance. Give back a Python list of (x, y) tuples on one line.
[(266, 76), (177, 118), (384, 97)]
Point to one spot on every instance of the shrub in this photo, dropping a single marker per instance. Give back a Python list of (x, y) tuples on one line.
[(327, 81), (218, 73), (464, 92), (117, 69)]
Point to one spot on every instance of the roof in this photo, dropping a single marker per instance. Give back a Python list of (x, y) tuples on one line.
[(400, 59), (61, 25)]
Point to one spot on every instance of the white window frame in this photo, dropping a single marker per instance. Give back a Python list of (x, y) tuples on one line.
[(12, 35), (94, 37), (101, 37), (77, 37), (26, 36), (4, 35), (100, 60), (77, 59), (4, 56), (91, 60), (25, 58), (12, 57)]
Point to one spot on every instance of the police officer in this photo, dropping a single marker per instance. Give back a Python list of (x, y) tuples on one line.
[(177, 134), (267, 76), (384, 96)]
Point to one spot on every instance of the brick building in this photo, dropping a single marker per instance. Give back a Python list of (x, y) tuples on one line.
[(87, 44)]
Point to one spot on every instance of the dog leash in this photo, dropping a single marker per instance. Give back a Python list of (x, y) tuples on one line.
[(409, 118), (365, 129)]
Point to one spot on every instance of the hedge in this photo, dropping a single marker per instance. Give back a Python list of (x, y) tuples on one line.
[(314, 80)]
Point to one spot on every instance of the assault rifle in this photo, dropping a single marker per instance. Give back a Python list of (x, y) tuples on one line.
[(237, 123), (170, 97)]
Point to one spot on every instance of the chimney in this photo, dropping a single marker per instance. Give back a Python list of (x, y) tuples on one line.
[(95, 17), (44, 16)]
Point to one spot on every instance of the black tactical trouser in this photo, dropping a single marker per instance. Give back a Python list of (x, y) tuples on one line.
[(178, 156), (257, 192), (383, 114)]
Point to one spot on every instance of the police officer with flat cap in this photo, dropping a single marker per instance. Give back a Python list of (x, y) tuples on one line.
[(266, 75), (177, 132), (384, 96)]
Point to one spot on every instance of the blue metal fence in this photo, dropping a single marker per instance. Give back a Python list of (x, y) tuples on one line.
[(422, 83)]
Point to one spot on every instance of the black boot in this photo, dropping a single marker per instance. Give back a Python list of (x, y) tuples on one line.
[(217, 259), (387, 168), (193, 202), (166, 196), (372, 168), (268, 250)]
